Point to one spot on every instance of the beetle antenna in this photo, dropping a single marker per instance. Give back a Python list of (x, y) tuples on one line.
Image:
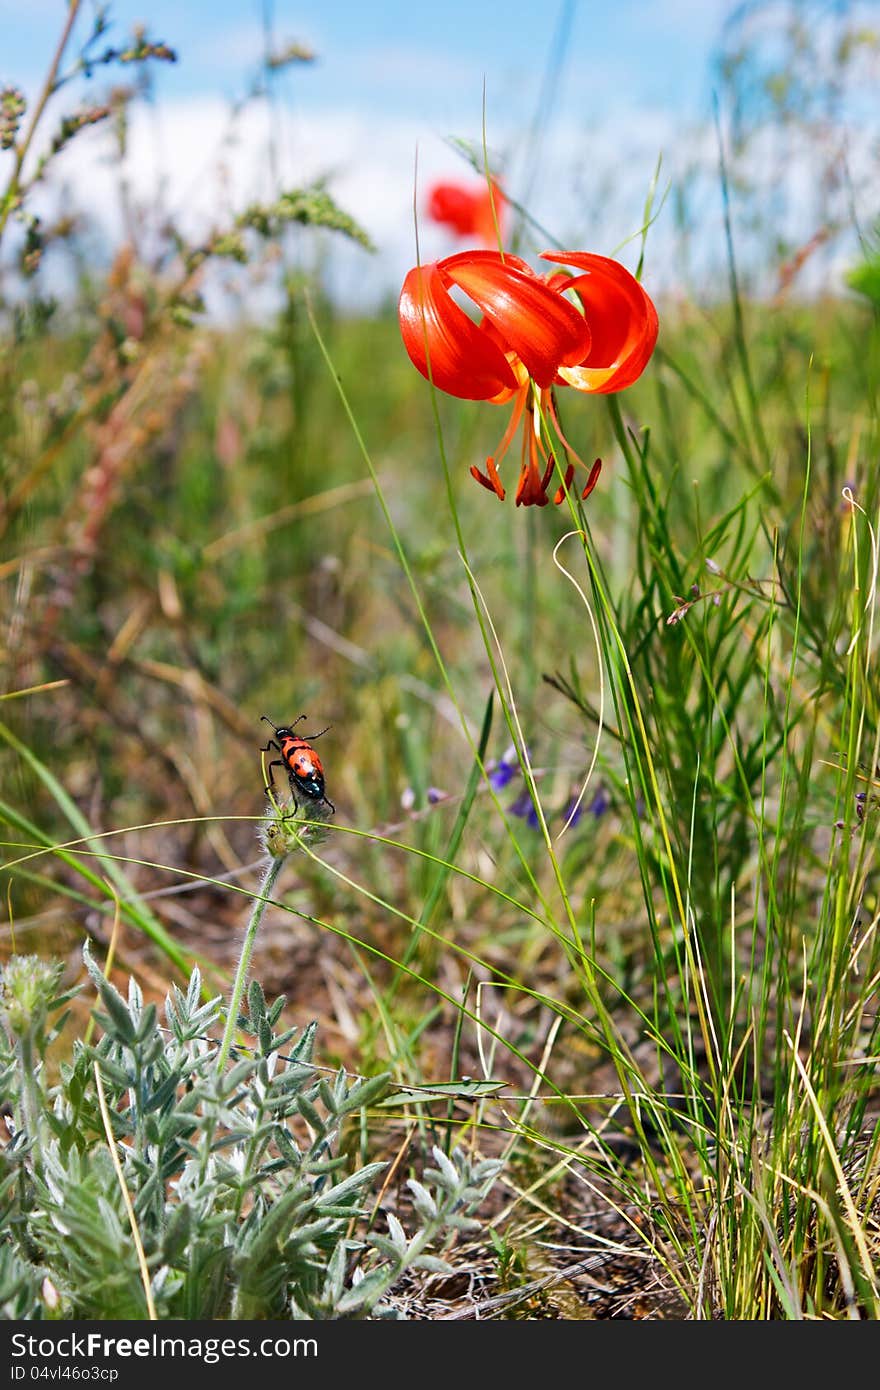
[(269, 721)]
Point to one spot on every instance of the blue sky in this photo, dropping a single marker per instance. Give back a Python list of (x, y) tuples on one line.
[(634, 83), (405, 57)]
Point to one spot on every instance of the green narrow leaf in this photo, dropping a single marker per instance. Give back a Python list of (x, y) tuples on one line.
[(130, 905)]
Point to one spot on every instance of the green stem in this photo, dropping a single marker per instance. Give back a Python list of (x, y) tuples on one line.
[(14, 187), (273, 869), (30, 1101)]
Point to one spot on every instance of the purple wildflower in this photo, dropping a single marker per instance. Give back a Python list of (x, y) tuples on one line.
[(573, 812), (600, 803), (505, 770), (524, 806)]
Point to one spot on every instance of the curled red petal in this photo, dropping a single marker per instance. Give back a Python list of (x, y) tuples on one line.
[(465, 362), (538, 324), (622, 319)]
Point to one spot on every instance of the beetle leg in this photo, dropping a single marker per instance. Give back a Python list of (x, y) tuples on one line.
[(276, 763)]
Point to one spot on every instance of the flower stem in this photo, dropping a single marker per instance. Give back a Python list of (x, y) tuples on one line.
[(273, 868), (30, 1101), (13, 188)]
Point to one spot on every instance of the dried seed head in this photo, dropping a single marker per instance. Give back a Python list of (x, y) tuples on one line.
[(12, 108)]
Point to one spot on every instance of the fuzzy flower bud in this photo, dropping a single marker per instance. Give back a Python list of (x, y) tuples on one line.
[(289, 826), (27, 987)]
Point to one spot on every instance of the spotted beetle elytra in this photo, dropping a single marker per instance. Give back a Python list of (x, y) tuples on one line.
[(304, 768)]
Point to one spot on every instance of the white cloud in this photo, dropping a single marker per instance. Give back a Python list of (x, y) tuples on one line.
[(185, 160)]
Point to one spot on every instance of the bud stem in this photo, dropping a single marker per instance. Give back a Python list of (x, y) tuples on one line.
[(273, 869)]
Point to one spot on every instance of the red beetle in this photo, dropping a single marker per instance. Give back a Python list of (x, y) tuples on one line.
[(304, 767)]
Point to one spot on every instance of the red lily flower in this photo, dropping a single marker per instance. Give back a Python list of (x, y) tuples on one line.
[(469, 211), (530, 340)]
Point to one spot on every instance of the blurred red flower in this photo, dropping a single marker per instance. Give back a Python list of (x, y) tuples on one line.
[(468, 211), (531, 339)]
